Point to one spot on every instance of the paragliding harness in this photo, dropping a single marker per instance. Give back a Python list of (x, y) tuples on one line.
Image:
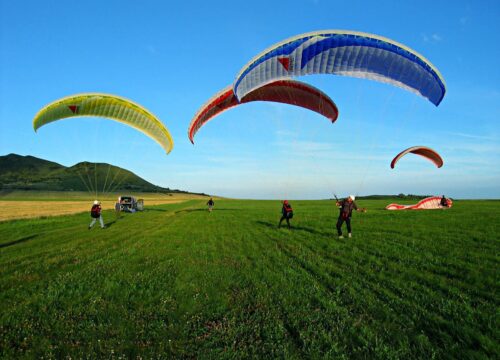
[(345, 213), (444, 202), (288, 210), (95, 212)]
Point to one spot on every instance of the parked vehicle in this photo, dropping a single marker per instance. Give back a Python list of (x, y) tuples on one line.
[(130, 204)]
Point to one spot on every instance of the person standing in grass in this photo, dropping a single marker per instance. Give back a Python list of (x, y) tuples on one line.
[(286, 213), (346, 207), (95, 213), (210, 204), (445, 203), (118, 209)]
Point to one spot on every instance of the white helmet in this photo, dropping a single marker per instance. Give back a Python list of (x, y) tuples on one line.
[(96, 202), (352, 197)]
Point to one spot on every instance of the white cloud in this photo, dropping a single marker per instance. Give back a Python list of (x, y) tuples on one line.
[(432, 39), (436, 37), (310, 146), (476, 148), (474, 136), (286, 133)]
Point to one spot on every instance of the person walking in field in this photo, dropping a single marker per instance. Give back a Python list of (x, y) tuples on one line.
[(210, 204), (95, 213), (286, 213), (346, 207), (118, 209)]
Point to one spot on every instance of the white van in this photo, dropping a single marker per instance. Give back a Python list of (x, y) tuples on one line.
[(130, 204)]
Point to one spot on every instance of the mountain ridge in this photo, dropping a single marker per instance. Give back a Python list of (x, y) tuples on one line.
[(27, 172)]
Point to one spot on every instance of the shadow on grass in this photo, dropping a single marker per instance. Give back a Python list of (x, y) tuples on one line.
[(153, 209), (111, 223), (21, 240), (293, 227)]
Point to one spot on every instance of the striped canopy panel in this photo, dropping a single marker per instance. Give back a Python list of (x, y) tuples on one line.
[(423, 151), (430, 203), (347, 53), (106, 106), (289, 92)]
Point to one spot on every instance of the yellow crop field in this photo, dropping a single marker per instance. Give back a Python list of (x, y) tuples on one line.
[(24, 205)]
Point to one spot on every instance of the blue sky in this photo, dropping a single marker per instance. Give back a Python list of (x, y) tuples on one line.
[(172, 56)]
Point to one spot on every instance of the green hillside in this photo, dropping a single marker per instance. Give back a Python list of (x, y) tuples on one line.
[(178, 282), (30, 173), (13, 167)]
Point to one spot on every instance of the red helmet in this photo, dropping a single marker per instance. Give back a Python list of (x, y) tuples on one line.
[(285, 202)]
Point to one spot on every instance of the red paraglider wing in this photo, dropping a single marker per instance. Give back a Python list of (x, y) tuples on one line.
[(295, 93), (283, 91), (219, 103), (430, 203), (423, 151)]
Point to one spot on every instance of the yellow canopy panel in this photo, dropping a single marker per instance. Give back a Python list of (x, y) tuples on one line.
[(106, 106)]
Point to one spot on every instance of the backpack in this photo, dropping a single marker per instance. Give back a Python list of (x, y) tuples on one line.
[(94, 212), (289, 211), (344, 212)]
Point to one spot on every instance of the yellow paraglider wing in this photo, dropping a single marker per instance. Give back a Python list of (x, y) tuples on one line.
[(106, 106)]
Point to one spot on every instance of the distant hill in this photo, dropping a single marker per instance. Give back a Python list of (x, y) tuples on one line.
[(30, 173)]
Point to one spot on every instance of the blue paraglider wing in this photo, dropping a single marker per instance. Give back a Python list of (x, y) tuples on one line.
[(346, 53)]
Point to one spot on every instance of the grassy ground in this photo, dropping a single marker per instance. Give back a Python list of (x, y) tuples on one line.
[(176, 281)]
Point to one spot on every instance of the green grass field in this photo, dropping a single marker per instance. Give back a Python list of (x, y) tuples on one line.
[(177, 281)]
